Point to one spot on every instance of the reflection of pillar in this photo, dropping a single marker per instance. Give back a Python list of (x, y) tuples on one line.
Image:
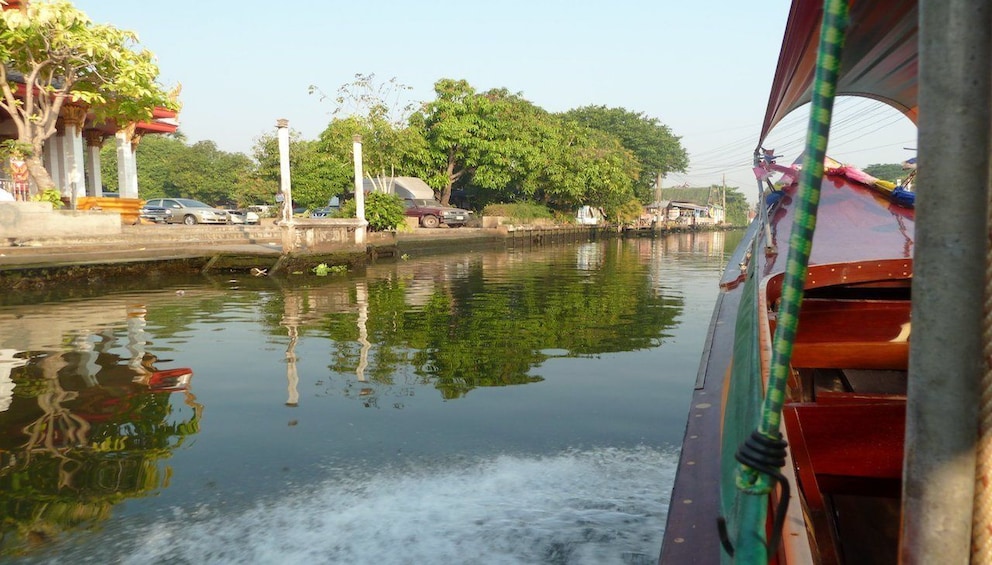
[(361, 291), (292, 378), (136, 338), (87, 366), (57, 427), (7, 363)]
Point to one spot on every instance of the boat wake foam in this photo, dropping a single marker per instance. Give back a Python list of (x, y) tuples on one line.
[(600, 506)]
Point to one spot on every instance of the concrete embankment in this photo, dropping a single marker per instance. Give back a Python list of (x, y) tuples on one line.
[(152, 250)]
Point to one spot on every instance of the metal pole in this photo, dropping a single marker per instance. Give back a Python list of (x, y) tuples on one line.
[(945, 360)]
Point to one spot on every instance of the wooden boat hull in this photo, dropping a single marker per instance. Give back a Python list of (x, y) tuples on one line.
[(848, 375)]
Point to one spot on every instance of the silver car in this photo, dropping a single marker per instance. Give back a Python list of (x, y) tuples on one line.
[(190, 212)]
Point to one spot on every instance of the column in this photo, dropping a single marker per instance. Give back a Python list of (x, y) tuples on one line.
[(359, 189), (127, 172), (72, 152), (53, 160), (285, 185), (94, 182)]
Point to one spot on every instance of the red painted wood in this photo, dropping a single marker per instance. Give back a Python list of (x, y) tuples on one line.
[(863, 439)]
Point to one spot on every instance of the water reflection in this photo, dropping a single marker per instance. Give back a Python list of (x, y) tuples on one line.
[(82, 428), (94, 395)]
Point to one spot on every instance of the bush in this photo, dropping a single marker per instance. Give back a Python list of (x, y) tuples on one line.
[(383, 211), (49, 195), (523, 212), (629, 212)]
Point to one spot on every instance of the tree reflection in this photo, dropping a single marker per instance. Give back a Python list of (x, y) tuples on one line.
[(490, 326), (72, 445)]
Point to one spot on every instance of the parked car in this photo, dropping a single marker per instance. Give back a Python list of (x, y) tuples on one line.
[(156, 214), (431, 213), (190, 212), (243, 217), (333, 205)]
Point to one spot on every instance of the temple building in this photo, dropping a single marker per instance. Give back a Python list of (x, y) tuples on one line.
[(72, 155)]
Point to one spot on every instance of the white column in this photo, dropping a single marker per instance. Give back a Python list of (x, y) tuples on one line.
[(75, 185), (285, 186), (127, 176), (55, 165), (359, 189), (94, 141)]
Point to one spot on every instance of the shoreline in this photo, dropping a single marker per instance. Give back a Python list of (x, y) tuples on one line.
[(151, 251)]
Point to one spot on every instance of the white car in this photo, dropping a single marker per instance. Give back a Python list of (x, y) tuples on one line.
[(244, 217), (190, 212)]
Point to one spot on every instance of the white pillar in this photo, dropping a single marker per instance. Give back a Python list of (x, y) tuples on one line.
[(127, 175), (94, 141), (75, 185), (285, 184), (359, 189), (54, 160)]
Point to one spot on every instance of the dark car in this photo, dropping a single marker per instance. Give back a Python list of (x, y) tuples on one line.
[(432, 213), (156, 214), (333, 205)]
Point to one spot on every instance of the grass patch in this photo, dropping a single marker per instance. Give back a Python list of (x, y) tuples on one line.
[(520, 212)]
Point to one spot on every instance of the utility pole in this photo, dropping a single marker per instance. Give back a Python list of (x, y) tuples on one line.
[(724, 198)]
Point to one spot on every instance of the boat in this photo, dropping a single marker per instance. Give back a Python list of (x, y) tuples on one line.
[(842, 409)]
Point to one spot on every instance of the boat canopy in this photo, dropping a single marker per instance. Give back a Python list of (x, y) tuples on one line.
[(879, 59)]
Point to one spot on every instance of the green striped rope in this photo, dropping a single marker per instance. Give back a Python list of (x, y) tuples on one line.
[(835, 20)]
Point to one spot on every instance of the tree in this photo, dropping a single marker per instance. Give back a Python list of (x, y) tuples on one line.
[(657, 149), (890, 171), (374, 111), (55, 56), (382, 211), (316, 175), (168, 167)]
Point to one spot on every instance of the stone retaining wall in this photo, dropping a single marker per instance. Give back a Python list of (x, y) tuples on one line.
[(29, 220)]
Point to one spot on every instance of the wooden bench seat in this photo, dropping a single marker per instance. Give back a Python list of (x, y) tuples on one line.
[(848, 446), (852, 334)]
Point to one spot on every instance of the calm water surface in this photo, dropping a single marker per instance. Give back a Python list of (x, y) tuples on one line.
[(498, 407)]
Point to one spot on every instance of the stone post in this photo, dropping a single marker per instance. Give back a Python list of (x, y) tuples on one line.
[(359, 190), (285, 186)]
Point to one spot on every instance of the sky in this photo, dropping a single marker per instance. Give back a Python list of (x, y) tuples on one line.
[(703, 68)]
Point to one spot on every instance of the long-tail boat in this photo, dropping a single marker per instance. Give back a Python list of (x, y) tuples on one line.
[(843, 407)]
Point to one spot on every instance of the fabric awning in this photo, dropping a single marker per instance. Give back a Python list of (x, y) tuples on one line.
[(879, 60)]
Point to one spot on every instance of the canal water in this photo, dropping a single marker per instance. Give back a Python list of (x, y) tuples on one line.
[(500, 407)]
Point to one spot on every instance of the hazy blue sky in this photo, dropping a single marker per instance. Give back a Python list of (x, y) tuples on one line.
[(702, 67)]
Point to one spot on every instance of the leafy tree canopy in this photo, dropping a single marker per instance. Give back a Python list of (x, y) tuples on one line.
[(890, 171), (656, 148), (63, 58)]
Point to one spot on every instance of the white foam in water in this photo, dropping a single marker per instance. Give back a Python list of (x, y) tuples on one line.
[(597, 507)]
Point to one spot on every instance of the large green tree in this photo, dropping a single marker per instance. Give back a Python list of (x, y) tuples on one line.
[(168, 166), (315, 175), (657, 149), (505, 145), (54, 55)]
